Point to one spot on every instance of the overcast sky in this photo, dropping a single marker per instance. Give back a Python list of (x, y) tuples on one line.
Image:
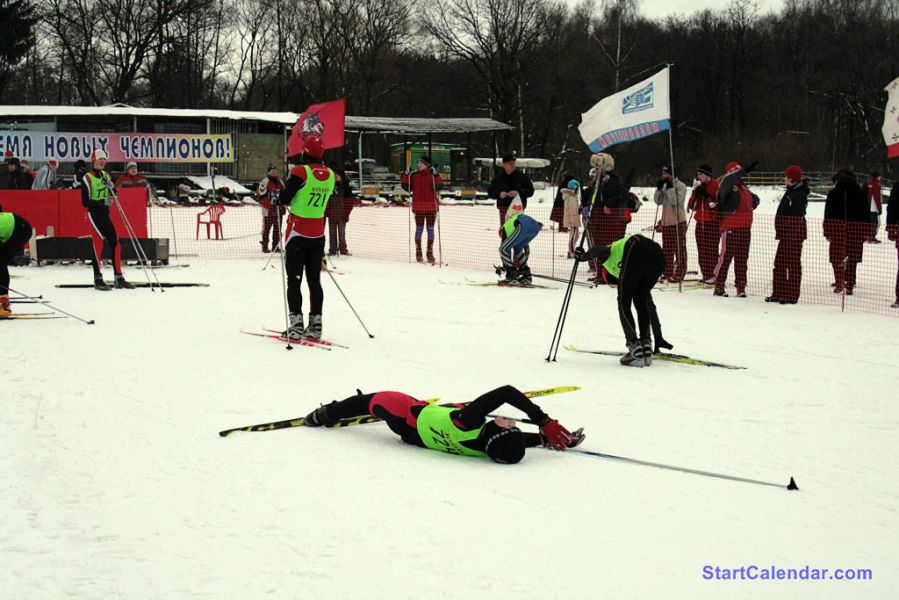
[(661, 8)]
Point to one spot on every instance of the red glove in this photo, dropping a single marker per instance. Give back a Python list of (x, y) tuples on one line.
[(554, 435)]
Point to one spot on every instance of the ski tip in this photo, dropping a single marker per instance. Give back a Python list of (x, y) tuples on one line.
[(792, 485), (223, 433)]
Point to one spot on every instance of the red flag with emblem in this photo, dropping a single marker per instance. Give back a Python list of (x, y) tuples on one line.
[(324, 120)]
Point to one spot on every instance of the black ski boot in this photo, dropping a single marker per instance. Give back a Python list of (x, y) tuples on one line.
[(121, 284), (524, 276), (101, 285), (320, 417), (511, 277)]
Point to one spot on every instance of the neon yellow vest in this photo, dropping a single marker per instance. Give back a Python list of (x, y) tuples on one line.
[(509, 225), (98, 186), (438, 432), (613, 263), (7, 222), (312, 199)]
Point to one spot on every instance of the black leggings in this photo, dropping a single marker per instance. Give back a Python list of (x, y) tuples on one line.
[(21, 233), (103, 229), (641, 265), (305, 254)]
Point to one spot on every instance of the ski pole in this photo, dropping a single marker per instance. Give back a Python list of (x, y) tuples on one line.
[(791, 485), (437, 206), (50, 306), (563, 313), (349, 304), (142, 258), (284, 289)]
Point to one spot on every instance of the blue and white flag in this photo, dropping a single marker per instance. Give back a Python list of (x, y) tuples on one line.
[(642, 110)]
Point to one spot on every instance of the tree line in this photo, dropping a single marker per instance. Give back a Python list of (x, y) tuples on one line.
[(803, 85)]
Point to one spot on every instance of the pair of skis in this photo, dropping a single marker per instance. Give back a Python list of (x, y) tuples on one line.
[(300, 421), (677, 358), (29, 316), (309, 342)]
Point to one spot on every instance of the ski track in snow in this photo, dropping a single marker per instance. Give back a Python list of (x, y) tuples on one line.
[(116, 484)]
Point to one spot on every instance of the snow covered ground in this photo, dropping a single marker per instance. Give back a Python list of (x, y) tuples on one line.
[(116, 484)]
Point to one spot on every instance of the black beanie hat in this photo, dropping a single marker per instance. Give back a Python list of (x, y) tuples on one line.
[(505, 446), (705, 170), (425, 159)]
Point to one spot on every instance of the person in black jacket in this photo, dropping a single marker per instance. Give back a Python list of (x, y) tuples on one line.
[(16, 178), (893, 230), (846, 226), (508, 184), (790, 230), (609, 215)]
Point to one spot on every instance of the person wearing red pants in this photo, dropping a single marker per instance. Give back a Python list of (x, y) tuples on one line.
[(735, 205), (846, 227), (96, 198), (455, 428), (790, 231), (670, 195), (707, 232)]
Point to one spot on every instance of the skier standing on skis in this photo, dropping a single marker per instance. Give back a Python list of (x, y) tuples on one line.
[(96, 197), (306, 195), (516, 233), (423, 185), (15, 232), (635, 264), (455, 428)]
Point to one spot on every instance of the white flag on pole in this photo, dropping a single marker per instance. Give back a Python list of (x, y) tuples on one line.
[(641, 110), (891, 120)]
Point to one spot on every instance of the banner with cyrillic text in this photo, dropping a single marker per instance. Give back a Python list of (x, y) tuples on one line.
[(642, 110), (40, 146)]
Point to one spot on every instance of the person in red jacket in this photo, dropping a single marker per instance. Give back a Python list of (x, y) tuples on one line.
[(735, 204), (707, 232), (876, 204), (268, 191), (131, 178), (423, 185)]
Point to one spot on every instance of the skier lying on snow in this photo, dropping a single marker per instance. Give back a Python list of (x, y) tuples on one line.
[(455, 428)]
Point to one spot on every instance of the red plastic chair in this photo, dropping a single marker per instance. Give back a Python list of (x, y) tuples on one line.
[(214, 217)]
